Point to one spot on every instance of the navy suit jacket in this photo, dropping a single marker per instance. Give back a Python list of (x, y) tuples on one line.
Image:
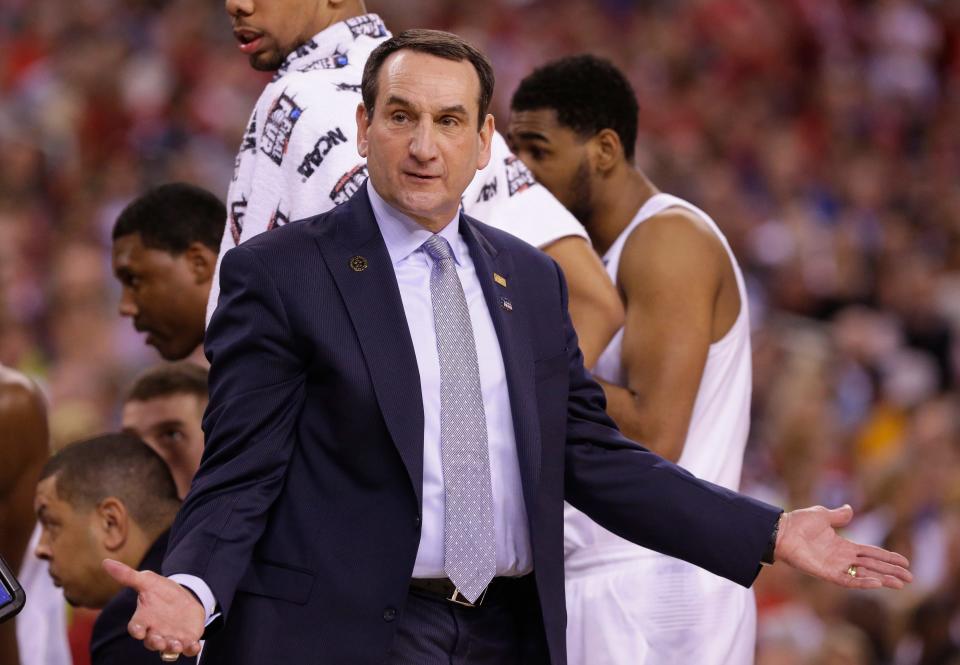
[(304, 517), (110, 643)]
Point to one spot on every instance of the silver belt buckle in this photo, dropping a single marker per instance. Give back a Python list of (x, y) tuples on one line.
[(460, 599)]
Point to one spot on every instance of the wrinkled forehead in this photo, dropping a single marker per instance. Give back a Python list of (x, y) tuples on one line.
[(428, 81)]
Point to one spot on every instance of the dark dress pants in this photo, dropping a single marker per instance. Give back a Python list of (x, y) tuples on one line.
[(506, 629)]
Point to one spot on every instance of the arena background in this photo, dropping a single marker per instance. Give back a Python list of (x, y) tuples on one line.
[(823, 136)]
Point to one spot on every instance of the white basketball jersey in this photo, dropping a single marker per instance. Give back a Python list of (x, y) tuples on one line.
[(720, 420), (42, 624), (627, 605)]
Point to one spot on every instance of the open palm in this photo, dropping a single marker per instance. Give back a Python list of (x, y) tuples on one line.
[(808, 541), (169, 618)]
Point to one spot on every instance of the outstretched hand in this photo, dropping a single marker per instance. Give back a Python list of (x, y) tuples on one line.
[(808, 541), (169, 618)]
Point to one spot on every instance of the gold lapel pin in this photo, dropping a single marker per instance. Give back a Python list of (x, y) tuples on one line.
[(358, 264), (499, 279)]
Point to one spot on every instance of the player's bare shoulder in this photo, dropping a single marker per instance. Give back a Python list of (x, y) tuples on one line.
[(676, 242), (679, 260), (17, 390)]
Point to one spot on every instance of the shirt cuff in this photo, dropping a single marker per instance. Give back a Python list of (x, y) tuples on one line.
[(202, 592)]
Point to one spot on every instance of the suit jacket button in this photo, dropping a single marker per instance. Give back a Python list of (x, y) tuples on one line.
[(389, 614), (416, 521)]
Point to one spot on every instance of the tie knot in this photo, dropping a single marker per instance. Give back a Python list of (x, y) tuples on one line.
[(438, 248)]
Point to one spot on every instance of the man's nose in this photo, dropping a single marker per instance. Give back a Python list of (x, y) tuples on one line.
[(42, 550), (423, 145), (127, 306), (239, 7)]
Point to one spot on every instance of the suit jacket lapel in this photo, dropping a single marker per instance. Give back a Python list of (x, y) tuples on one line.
[(369, 289), (513, 334)]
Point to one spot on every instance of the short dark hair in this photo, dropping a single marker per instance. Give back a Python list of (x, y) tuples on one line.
[(117, 465), (588, 93), (183, 378), (173, 216), (432, 42)]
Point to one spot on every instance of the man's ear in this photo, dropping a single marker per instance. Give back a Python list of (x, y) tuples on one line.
[(363, 124), (113, 523), (606, 151), (486, 141), (202, 261)]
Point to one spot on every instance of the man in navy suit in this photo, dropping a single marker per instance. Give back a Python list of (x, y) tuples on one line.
[(398, 409)]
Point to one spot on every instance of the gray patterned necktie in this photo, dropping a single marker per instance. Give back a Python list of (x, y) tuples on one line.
[(469, 544)]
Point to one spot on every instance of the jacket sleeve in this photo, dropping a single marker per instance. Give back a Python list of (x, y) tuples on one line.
[(256, 395), (647, 500)]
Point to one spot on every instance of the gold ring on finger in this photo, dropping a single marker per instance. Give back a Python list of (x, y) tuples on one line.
[(852, 571), (169, 657)]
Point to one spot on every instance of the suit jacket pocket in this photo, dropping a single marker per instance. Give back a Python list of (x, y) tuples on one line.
[(546, 368), (277, 581)]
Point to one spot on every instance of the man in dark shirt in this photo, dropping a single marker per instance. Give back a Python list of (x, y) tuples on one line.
[(111, 496)]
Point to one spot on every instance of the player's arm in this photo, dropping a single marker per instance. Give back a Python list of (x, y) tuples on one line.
[(595, 307), (23, 440), (671, 273)]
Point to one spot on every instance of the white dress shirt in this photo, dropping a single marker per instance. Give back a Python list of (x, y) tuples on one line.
[(412, 264)]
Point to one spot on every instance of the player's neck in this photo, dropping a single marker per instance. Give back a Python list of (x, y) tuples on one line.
[(348, 10), (617, 199)]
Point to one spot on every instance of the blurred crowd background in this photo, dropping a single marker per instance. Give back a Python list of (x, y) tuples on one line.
[(823, 136)]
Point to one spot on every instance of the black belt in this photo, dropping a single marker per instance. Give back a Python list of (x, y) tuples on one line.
[(442, 587)]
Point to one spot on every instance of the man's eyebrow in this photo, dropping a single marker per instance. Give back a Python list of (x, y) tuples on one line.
[(163, 424), (394, 100), (458, 109), (530, 135)]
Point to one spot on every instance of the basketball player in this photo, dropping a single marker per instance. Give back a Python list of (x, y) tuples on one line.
[(298, 156), (677, 376), (38, 635)]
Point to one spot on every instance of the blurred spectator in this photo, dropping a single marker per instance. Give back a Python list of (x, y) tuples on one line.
[(38, 635), (931, 639), (844, 645)]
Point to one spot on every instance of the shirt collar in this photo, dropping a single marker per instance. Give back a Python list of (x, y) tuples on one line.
[(328, 49), (403, 236)]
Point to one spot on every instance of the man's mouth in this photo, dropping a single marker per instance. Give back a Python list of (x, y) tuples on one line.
[(249, 40), (150, 338), (425, 177)]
